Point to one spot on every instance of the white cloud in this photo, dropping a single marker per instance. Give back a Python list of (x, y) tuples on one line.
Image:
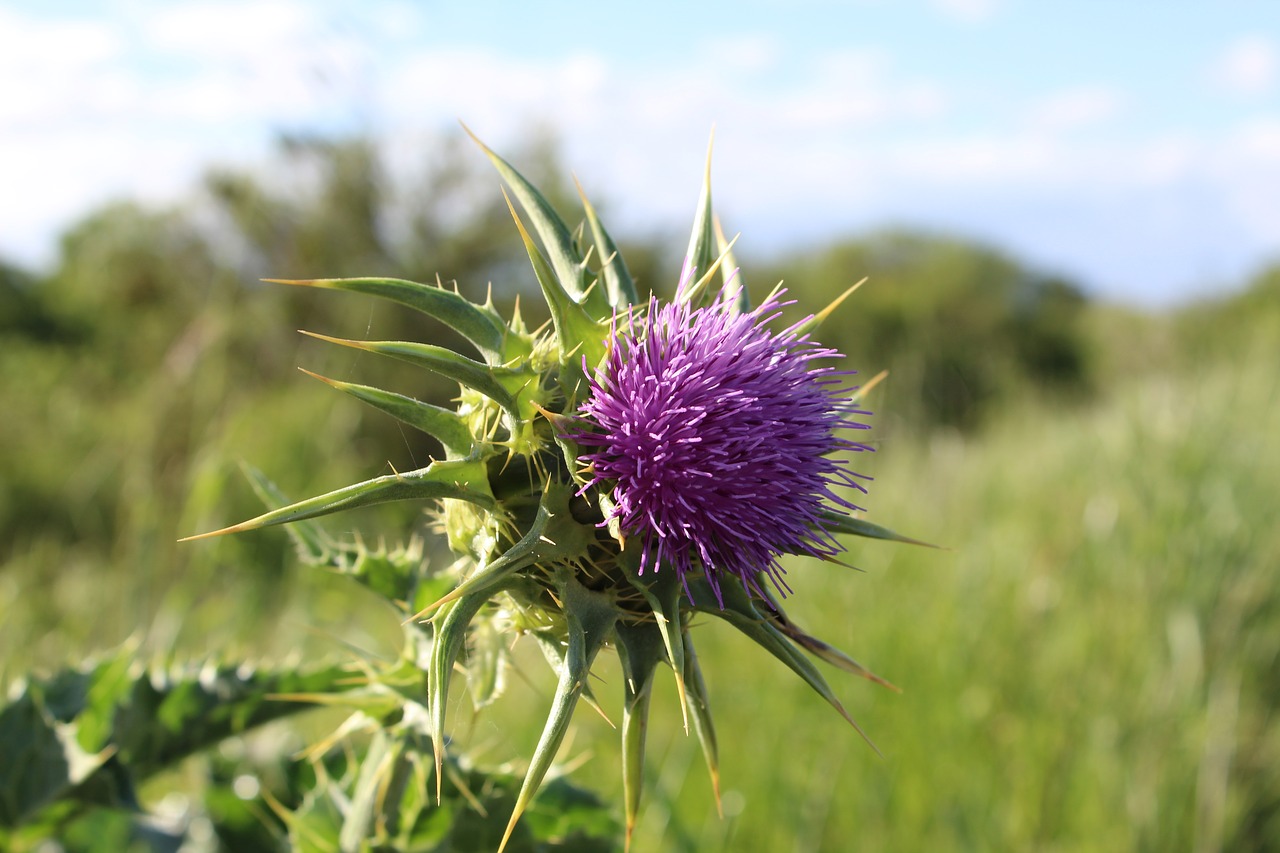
[(137, 105), (1076, 108), (40, 45), (981, 159), (747, 54), (1249, 66), (273, 62), (50, 68), (230, 30), (1247, 169), (1167, 160)]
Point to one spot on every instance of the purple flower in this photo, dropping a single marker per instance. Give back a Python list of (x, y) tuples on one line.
[(713, 436)]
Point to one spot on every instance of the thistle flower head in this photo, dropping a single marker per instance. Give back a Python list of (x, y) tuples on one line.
[(715, 435)]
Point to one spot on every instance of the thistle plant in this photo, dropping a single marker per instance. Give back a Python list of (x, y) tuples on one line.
[(605, 479)]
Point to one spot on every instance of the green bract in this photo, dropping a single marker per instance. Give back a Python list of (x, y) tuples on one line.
[(535, 554)]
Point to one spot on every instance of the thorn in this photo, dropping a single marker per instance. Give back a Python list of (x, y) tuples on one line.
[(873, 382), (705, 280), (460, 784), (452, 595), (279, 808), (506, 836), (474, 138), (438, 749), (827, 558), (595, 706), (340, 341), (550, 416), (715, 787), (235, 528), (822, 315), (684, 701), (333, 382)]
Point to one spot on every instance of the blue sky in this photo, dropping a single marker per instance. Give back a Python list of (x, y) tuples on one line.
[(1134, 146)]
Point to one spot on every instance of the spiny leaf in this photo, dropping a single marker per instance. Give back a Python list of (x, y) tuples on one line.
[(700, 712), (693, 292), (617, 278), (367, 805), (445, 425), (486, 663), (482, 326), (836, 522), (735, 287), (591, 619), (41, 760), (397, 574), (641, 648), (741, 613), (462, 479), (818, 648), (580, 336), (701, 253), (551, 644), (174, 714), (554, 234), (452, 623), (313, 543), (57, 734), (664, 595), (465, 371)]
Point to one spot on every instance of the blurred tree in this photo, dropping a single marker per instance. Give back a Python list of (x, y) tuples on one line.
[(1234, 323), (23, 311), (961, 327)]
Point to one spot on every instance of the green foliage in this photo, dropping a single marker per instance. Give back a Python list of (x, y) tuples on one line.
[(388, 805), (1235, 324), (91, 735), (23, 314)]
